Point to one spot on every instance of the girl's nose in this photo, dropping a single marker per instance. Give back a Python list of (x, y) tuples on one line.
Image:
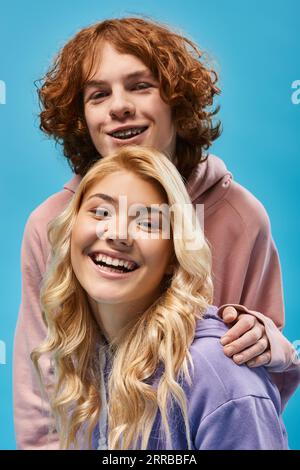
[(117, 233)]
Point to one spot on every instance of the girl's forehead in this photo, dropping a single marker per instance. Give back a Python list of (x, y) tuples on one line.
[(126, 184)]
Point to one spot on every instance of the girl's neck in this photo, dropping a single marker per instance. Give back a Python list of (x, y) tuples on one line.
[(112, 318)]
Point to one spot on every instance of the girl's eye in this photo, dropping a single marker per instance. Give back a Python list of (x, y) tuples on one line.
[(148, 224), (100, 212)]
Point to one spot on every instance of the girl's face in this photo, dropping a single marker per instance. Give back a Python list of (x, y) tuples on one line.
[(123, 97), (120, 250)]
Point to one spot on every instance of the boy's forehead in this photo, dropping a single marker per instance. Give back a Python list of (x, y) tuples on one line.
[(101, 79), (100, 66)]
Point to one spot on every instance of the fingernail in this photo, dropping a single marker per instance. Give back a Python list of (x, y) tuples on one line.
[(228, 350), (250, 363), (238, 358), (230, 318), (225, 340)]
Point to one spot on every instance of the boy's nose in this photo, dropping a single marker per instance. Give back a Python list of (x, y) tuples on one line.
[(122, 107)]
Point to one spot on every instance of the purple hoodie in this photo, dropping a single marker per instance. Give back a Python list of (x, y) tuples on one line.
[(230, 407)]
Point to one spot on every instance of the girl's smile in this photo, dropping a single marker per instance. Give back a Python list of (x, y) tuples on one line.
[(111, 272), (113, 264)]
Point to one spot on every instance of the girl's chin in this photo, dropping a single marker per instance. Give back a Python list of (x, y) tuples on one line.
[(108, 297)]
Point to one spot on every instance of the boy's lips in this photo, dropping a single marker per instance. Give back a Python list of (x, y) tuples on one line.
[(130, 139), (127, 128)]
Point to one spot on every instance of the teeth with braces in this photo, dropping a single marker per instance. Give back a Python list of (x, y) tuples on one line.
[(129, 132), (114, 261)]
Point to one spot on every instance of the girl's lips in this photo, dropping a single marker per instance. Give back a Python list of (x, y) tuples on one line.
[(131, 139), (109, 274)]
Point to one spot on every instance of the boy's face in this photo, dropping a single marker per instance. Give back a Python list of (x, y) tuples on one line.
[(122, 95)]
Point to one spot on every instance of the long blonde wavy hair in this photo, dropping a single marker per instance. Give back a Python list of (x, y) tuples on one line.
[(160, 337)]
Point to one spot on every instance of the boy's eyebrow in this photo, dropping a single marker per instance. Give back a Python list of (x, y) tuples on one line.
[(137, 74), (114, 201)]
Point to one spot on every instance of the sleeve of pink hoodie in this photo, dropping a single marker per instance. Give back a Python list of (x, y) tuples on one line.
[(284, 367), (31, 411)]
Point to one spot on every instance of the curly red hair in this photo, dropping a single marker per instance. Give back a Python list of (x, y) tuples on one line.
[(186, 84)]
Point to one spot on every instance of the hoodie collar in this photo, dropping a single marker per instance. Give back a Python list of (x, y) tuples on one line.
[(211, 325), (206, 175), (73, 183)]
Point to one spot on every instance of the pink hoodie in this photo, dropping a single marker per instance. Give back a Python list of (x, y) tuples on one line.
[(246, 272)]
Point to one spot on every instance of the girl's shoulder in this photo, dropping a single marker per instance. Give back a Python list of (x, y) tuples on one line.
[(216, 378)]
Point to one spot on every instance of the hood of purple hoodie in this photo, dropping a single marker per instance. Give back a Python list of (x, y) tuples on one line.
[(211, 325), (206, 175)]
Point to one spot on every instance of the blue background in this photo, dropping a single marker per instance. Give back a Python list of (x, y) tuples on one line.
[(254, 45)]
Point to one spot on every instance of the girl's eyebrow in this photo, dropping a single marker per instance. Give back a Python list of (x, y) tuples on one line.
[(133, 75), (105, 197)]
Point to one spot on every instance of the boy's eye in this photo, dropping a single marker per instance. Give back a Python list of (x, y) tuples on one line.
[(142, 85), (98, 95)]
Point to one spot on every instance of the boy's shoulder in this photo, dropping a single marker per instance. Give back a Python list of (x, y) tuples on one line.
[(247, 207), (227, 200), (53, 205), (36, 230)]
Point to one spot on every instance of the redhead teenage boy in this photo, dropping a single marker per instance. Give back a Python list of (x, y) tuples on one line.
[(132, 81)]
